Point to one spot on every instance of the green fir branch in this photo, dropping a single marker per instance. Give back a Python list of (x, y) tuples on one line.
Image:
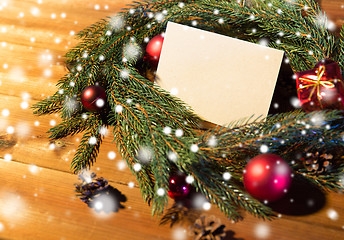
[(88, 149)]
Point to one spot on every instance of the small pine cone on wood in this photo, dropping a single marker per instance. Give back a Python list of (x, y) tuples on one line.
[(208, 228), (318, 162)]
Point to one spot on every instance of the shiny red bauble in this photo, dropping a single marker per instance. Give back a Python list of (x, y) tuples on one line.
[(178, 187), (153, 50), (93, 98), (267, 177)]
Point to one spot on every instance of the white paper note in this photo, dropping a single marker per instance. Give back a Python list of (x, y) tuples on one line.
[(223, 79)]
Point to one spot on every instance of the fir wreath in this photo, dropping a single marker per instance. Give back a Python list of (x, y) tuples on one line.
[(104, 55)]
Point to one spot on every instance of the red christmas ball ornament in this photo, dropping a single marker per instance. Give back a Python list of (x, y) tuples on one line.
[(178, 187), (93, 98), (267, 177), (153, 50)]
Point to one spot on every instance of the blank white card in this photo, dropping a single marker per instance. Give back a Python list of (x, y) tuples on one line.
[(221, 78)]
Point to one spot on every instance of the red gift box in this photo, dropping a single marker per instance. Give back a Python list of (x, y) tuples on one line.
[(321, 87)]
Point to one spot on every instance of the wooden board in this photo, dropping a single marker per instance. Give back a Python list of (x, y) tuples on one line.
[(37, 200)]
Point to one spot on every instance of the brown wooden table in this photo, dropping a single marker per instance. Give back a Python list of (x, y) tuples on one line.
[(37, 199)]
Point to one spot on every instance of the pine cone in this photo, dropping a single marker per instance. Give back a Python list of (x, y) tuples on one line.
[(208, 228), (89, 188), (98, 194), (318, 162)]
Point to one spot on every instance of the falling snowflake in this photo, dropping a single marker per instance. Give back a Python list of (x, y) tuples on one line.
[(159, 17), (262, 231), (137, 167), (179, 133), (172, 156), (264, 149), (8, 157), (199, 201), (194, 148), (167, 130), (10, 130), (103, 131), (121, 165), (317, 119), (145, 154), (132, 51), (263, 42), (160, 192), (119, 108), (35, 11), (70, 104), (105, 203), (295, 102), (181, 4), (111, 155), (33, 169), (179, 233), (226, 176), (124, 73), (117, 22), (206, 206), (212, 142), (5, 112), (332, 214), (92, 140), (189, 179), (12, 207)]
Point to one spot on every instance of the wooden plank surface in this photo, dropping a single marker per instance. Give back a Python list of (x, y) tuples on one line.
[(36, 195)]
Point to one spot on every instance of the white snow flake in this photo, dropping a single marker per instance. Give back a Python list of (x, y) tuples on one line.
[(117, 22), (332, 214), (132, 51), (111, 155), (167, 130), (179, 233), (137, 167), (295, 102), (8, 157), (189, 179), (263, 42), (262, 231), (172, 156), (194, 148), (119, 108), (160, 192), (33, 168), (226, 176), (121, 165), (206, 206), (145, 154), (264, 149), (124, 73), (10, 130), (100, 103), (159, 17), (5, 112), (179, 133), (212, 141), (92, 140)]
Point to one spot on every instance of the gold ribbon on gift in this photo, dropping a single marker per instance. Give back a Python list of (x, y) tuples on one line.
[(317, 83)]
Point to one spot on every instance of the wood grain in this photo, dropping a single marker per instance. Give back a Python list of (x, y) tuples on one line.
[(36, 195)]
